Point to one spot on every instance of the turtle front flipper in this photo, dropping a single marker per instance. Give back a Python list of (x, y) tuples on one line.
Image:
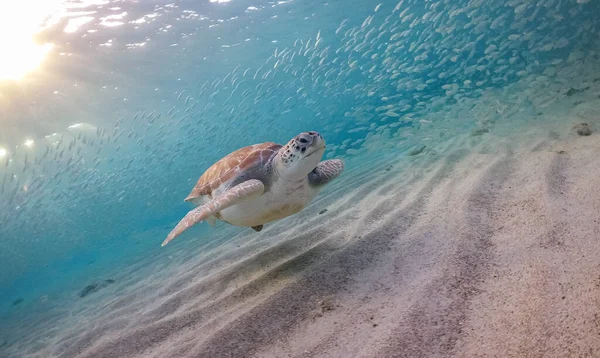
[(242, 191), (325, 172)]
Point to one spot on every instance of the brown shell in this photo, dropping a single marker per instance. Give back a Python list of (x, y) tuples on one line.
[(230, 166)]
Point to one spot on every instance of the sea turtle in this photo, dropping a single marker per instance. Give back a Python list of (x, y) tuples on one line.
[(260, 183)]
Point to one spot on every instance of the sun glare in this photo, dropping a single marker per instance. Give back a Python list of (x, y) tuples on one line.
[(20, 21)]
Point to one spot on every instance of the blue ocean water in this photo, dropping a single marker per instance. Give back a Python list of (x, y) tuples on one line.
[(101, 142)]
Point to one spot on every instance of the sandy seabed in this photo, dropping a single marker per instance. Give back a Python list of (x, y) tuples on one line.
[(486, 245)]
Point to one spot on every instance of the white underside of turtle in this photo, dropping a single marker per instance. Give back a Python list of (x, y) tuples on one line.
[(282, 200)]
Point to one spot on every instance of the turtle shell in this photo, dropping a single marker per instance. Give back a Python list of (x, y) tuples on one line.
[(230, 167)]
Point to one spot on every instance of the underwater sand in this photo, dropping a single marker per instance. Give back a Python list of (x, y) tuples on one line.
[(482, 246)]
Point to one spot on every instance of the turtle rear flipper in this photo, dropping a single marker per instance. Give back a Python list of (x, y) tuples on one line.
[(211, 220)]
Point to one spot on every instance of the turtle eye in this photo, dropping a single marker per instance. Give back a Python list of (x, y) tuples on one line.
[(303, 140)]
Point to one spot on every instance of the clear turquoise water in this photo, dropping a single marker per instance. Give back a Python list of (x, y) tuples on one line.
[(128, 109)]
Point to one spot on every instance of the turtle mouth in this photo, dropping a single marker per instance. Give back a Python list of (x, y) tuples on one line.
[(314, 151)]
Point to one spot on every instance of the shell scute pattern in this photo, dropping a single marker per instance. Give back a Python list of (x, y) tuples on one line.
[(234, 164)]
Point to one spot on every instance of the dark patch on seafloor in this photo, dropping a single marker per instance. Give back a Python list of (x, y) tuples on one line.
[(326, 305), (573, 91), (322, 211), (17, 301), (94, 287), (479, 131), (416, 150), (583, 129)]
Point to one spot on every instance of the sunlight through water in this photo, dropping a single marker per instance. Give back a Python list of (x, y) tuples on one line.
[(19, 23)]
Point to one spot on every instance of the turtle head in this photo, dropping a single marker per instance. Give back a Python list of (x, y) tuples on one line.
[(300, 156)]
